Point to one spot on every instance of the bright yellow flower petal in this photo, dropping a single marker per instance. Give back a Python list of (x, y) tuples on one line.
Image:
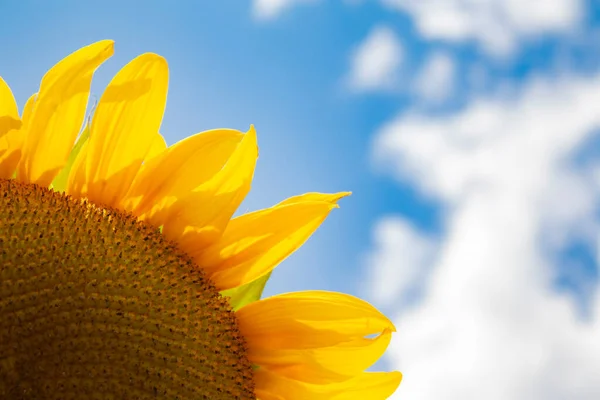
[(178, 171), (124, 128), (324, 364), (76, 182), (255, 243), (308, 320), (58, 113), (157, 147), (12, 142), (368, 385), (9, 112), (314, 196), (200, 218), (28, 111), (10, 153), (10, 136)]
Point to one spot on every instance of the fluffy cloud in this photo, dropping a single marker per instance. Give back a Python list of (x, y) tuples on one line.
[(376, 61), (402, 252), (436, 79), (496, 24), (269, 9), (490, 325)]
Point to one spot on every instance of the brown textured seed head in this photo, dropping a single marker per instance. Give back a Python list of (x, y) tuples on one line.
[(97, 305)]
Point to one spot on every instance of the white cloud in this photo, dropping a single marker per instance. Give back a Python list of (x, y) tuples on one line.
[(400, 251), (376, 61), (497, 24), (490, 326), (435, 82), (270, 9)]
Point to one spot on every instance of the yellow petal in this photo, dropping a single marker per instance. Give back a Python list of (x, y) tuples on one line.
[(76, 183), (314, 196), (158, 146), (178, 171), (307, 320), (324, 364), (10, 152), (9, 112), (124, 128), (28, 111), (368, 385), (58, 113), (255, 243), (12, 142), (200, 218)]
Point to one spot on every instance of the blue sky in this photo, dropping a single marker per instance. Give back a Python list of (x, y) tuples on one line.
[(466, 131)]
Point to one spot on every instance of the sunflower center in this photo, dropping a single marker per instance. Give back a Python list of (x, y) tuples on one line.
[(96, 305)]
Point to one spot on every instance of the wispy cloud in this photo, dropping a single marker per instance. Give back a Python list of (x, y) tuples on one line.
[(491, 324), (401, 251), (376, 61), (436, 80), (271, 9), (497, 25)]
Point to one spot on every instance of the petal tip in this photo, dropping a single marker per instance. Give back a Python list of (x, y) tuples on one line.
[(107, 47), (396, 378), (390, 325), (109, 43), (152, 58), (252, 132), (341, 195)]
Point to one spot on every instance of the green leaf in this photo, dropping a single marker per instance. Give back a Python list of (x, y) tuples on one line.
[(60, 182), (246, 294)]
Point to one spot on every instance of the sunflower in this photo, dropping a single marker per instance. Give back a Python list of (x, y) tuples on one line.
[(123, 274)]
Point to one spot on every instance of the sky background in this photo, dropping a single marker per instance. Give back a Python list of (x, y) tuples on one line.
[(466, 129)]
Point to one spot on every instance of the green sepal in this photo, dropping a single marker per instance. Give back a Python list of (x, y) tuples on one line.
[(59, 184), (246, 294)]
